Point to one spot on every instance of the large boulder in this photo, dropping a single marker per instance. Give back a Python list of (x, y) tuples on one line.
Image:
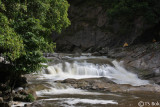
[(35, 104), (106, 85), (144, 60)]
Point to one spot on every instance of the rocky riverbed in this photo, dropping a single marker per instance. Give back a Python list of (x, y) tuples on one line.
[(87, 80), (145, 59), (106, 85)]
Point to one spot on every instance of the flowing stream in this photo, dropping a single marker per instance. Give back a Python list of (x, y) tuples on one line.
[(64, 66)]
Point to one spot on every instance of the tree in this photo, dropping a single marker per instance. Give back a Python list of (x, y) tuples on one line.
[(132, 9), (127, 13), (25, 30)]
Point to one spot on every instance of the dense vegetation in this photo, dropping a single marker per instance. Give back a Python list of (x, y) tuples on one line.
[(25, 30), (130, 13), (131, 9)]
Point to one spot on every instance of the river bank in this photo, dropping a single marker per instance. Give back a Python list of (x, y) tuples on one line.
[(127, 57), (145, 59), (13, 94)]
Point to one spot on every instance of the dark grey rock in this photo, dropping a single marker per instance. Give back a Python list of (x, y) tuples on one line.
[(3, 87), (0, 93), (96, 54), (35, 104), (4, 104), (19, 97), (104, 84), (143, 59), (91, 28)]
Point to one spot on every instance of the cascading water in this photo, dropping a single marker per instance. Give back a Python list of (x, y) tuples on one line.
[(86, 66), (78, 70)]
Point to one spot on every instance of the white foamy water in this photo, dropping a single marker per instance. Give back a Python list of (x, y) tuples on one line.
[(67, 90), (77, 70), (87, 57), (19, 104), (73, 101), (89, 101)]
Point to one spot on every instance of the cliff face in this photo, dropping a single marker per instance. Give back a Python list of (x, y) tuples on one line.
[(92, 31)]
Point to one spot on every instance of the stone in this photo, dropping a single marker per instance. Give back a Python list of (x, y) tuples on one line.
[(3, 87), (19, 97), (72, 81), (0, 93), (96, 54), (1, 99), (104, 51), (5, 104), (33, 93), (34, 104), (1, 59), (23, 92), (107, 85), (21, 82)]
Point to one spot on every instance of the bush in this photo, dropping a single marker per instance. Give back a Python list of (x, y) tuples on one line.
[(30, 98)]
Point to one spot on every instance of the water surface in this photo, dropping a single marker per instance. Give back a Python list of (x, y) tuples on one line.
[(52, 94)]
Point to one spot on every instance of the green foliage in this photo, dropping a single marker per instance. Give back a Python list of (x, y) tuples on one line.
[(30, 98), (10, 41), (130, 13), (129, 10), (25, 30)]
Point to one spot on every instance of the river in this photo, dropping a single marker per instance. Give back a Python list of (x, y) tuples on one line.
[(64, 66)]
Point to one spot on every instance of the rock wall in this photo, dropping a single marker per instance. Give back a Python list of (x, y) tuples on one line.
[(91, 29)]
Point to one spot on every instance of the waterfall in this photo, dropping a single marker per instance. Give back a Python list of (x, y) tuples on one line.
[(78, 70)]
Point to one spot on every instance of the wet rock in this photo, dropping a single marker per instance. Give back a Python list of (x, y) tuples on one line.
[(23, 95), (1, 99), (77, 51), (72, 81), (104, 51), (104, 84), (6, 97), (1, 59), (21, 91), (33, 93), (90, 83), (156, 80), (3, 87), (21, 82), (0, 93), (143, 58), (96, 54), (19, 97), (35, 104), (7, 92), (117, 53), (5, 104)]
